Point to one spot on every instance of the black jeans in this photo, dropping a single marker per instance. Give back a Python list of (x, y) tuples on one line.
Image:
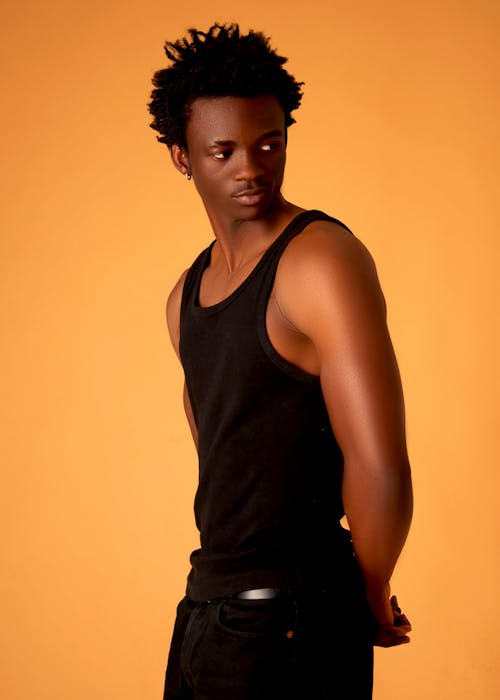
[(310, 644)]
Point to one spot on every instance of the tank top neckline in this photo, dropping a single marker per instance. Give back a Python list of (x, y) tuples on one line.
[(220, 305)]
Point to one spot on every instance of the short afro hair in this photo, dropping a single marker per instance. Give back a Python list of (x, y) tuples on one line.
[(221, 62)]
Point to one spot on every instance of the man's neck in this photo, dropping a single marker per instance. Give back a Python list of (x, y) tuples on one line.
[(239, 241)]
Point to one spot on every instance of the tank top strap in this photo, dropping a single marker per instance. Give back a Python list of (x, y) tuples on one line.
[(297, 225), (193, 278), (274, 253)]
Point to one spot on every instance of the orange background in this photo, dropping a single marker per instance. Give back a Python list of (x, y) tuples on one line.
[(398, 137)]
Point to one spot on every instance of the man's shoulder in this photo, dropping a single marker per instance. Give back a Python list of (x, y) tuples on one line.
[(327, 279), (325, 246), (175, 297), (173, 310)]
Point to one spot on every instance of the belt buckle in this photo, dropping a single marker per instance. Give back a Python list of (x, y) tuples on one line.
[(258, 594)]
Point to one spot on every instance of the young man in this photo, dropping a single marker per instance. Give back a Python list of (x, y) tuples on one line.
[(293, 397)]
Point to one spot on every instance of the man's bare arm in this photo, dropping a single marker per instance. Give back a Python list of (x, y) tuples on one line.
[(173, 322), (329, 291)]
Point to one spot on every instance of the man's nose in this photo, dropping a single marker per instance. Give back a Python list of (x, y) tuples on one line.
[(248, 165)]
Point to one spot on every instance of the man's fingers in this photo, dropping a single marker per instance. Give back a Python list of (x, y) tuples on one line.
[(399, 630), (402, 621), (388, 639), (395, 605), (403, 629), (395, 634), (391, 635)]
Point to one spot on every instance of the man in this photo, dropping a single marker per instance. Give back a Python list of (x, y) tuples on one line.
[(293, 398)]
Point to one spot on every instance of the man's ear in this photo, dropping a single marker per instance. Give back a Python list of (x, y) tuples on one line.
[(180, 159)]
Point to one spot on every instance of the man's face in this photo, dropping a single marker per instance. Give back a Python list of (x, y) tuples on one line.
[(236, 154)]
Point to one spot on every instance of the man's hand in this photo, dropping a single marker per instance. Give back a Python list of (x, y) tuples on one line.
[(387, 635)]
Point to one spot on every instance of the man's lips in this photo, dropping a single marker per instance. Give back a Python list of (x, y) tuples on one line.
[(250, 195)]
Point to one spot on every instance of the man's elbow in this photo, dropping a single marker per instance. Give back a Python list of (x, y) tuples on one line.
[(387, 482)]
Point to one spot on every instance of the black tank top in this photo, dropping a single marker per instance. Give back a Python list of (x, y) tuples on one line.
[(270, 470)]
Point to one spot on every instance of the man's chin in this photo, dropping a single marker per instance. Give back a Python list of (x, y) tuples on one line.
[(262, 210)]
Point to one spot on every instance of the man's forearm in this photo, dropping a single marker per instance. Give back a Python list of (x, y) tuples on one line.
[(378, 504)]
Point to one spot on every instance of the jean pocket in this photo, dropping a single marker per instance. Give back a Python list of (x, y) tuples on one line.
[(255, 619)]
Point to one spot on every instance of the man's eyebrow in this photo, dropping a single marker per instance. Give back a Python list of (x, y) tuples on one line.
[(271, 134), (222, 142)]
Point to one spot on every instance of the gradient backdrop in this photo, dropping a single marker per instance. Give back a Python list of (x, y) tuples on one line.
[(397, 136)]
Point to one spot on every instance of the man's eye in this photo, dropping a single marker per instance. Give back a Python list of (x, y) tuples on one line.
[(221, 155), (270, 146)]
